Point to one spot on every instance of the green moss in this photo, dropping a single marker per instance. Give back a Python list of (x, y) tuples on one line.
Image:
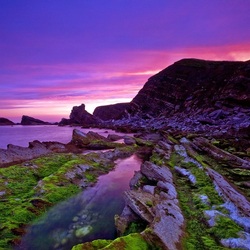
[(172, 139), (175, 159), (136, 227), (149, 203), (157, 159), (129, 242), (45, 177), (94, 245), (142, 142), (90, 177), (23, 215), (210, 243), (55, 194), (196, 229), (225, 228), (199, 236), (205, 186), (100, 144)]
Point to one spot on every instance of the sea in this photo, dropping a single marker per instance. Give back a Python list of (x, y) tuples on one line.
[(21, 135)]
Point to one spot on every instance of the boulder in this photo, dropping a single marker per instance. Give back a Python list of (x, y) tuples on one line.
[(129, 140), (91, 140), (140, 203), (114, 137), (156, 173), (79, 138)]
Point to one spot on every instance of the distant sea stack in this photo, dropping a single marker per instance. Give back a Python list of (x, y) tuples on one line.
[(110, 112), (5, 121), (79, 116), (193, 86), (27, 120)]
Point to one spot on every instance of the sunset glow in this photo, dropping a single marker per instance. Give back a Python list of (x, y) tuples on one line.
[(56, 56)]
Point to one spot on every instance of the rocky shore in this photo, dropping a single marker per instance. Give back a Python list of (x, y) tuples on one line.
[(191, 126)]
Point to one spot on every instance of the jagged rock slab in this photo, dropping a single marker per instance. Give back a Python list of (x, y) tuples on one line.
[(139, 202), (168, 224), (229, 193), (221, 155), (15, 153), (156, 173)]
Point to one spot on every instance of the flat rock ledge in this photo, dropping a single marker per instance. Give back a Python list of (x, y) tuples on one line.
[(157, 205), (229, 193), (16, 154)]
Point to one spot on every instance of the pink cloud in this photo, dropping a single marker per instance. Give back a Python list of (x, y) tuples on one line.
[(52, 90)]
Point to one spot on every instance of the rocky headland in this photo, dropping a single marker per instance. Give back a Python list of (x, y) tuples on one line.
[(191, 126)]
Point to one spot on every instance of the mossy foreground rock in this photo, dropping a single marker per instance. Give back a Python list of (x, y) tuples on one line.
[(29, 189), (130, 242)]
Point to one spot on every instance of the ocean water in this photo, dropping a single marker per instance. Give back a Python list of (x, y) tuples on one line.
[(22, 135)]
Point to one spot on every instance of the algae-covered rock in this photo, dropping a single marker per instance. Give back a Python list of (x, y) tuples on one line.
[(130, 242), (81, 232)]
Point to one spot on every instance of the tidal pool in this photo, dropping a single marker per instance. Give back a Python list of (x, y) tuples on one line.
[(85, 217)]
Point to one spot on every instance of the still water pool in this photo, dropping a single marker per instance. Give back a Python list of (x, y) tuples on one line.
[(87, 216)]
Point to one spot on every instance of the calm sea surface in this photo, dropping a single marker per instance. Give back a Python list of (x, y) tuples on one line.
[(22, 135)]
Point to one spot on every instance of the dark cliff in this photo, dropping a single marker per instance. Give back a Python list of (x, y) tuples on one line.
[(192, 86), (110, 112)]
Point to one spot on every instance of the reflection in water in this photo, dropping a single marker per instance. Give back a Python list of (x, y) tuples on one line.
[(88, 216)]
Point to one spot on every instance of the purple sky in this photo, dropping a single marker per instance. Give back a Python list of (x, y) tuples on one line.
[(58, 54)]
